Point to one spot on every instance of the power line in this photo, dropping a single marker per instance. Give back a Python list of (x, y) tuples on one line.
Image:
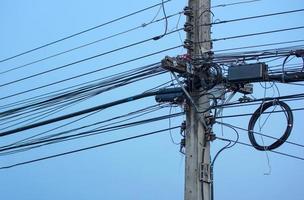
[(293, 96), (234, 3), (92, 72), (249, 145), (68, 100), (254, 34), (88, 44), (88, 148), (85, 111), (84, 59), (260, 45), (249, 114), (82, 32), (258, 133), (99, 130), (254, 17), (137, 113)]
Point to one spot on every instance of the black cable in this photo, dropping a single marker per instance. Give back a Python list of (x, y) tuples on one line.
[(234, 3), (82, 32), (27, 140), (260, 45), (254, 17), (293, 96), (273, 151), (256, 116), (253, 34), (258, 133), (84, 59), (250, 114), (166, 23), (103, 129), (87, 148), (88, 44), (87, 92), (65, 91), (92, 72), (217, 154), (85, 111)]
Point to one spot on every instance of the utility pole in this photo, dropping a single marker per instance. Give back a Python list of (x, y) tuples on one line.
[(197, 148)]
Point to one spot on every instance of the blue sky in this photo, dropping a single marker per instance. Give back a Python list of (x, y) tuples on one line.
[(150, 167)]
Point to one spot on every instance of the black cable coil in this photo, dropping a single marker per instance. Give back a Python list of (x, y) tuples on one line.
[(256, 116)]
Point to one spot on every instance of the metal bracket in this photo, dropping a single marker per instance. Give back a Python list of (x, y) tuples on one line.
[(205, 173), (174, 65)]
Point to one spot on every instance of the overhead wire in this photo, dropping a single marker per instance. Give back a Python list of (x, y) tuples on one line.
[(31, 138), (62, 136), (258, 133), (86, 148), (253, 17), (92, 72), (84, 111), (83, 31), (259, 45), (82, 60), (253, 34), (83, 96), (90, 43), (273, 151), (234, 3)]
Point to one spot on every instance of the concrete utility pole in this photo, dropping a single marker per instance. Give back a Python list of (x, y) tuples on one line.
[(197, 148)]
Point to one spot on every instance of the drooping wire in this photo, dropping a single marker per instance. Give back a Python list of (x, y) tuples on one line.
[(166, 22), (229, 145)]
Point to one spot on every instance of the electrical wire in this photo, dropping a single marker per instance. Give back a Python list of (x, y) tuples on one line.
[(31, 138), (234, 3), (92, 72), (258, 133), (254, 17), (87, 148), (81, 60), (166, 22), (82, 32), (82, 112), (62, 136), (253, 34), (259, 45), (273, 151), (89, 44), (229, 145), (80, 95)]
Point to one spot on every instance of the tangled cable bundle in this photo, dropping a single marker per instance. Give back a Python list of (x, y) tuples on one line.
[(254, 118)]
